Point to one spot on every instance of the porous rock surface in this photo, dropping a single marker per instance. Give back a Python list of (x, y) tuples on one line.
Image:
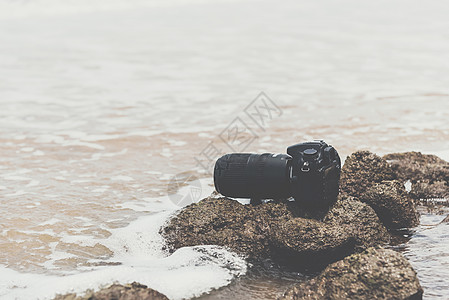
[(362, 170), (360, 219), (428, 174), (373, 274), (224, 222), (395, 208), (371, 179), (270, 230), (134, 291)]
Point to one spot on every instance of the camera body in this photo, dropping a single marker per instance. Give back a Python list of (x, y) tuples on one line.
[(309, 172), (315, 174)]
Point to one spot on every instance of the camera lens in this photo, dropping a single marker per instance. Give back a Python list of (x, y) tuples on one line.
[(255, 176)]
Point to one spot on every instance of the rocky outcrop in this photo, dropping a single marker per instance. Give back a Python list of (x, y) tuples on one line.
[(362, 170), (416, 166), (430, 190), (134, 291), (373, 274), (271, 230), (360, 219), (372, 199), (428, 174), (225, 222), (310, 243), (370, 179), (392, 204)]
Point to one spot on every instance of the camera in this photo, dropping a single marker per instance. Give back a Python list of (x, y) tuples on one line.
[(309, 172)]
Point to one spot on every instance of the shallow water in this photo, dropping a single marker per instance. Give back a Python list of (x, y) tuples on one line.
[(265, 280), (427, 251), (101, 103)]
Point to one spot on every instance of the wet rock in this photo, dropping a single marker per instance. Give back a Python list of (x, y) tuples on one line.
[(361, 221), (430, 190), (310, 243), (428, 174), (368, 177), (220, 221), (392, 204), (373, 274), (362, 170), (134, 291), (270, 230), (416, 166)]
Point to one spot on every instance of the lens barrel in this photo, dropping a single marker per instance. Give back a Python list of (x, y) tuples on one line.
[(255, 176)]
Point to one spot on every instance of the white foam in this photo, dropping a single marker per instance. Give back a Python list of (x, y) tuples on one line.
[(51, 221), (38, 153), (16, 178), (166, 176), (177, 143), (17, 193), (152, 172), (33, 183), (186, 273), (83, 144), (97, 156), (408, 186), (100, 190), (166, 153), (122, 178)]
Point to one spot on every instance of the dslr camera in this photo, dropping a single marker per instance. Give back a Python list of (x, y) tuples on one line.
[(309, 172)]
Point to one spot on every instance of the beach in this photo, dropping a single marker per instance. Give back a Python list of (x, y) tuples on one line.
[(104, 103)]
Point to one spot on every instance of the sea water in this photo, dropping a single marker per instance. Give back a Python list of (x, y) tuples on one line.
[(104, 103)]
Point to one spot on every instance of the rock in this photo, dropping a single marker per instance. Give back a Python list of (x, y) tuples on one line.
[(270, 230), (361, 170), (416, 166), (225, 222), (367, 177), (428, 174), (392, 204), (430, 190), (310, 243), (134, 291), (373, 274), (361, 220)]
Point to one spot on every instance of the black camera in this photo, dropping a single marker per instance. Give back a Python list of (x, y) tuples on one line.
[(309, 172)]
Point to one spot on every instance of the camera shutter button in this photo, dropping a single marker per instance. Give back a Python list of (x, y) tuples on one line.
[(310, 151)]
